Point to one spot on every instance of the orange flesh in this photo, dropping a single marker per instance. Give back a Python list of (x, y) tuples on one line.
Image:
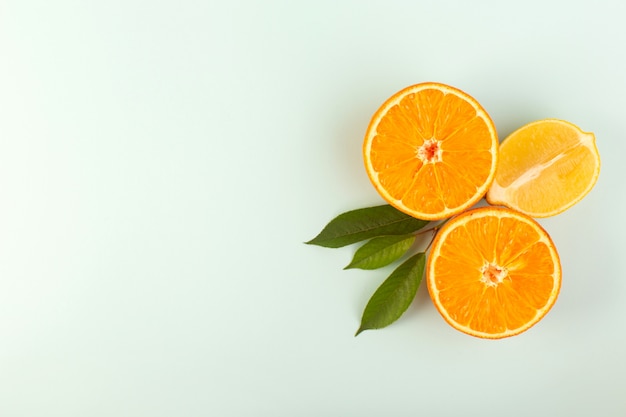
[(494, 275), (431, 151)]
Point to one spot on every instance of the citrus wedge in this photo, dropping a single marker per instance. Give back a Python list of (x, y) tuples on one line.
[(545, 168), (431, 151), (493, 272)]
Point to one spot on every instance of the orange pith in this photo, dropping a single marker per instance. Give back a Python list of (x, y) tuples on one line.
[(431, 151), (493, 272)]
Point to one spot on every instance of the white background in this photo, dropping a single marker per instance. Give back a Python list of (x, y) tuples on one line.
[(161, 163)]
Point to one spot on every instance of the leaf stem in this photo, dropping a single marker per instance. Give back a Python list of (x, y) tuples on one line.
[(431, 229), (434, 231)]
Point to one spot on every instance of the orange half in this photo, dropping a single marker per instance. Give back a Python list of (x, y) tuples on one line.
[(493, 272), (431, 151)]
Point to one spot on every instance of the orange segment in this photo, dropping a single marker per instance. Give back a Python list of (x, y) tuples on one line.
[(431, 151), (545, 168), (493, 272)]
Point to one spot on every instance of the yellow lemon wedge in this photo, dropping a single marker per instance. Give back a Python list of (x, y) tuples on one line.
[(544, 168)]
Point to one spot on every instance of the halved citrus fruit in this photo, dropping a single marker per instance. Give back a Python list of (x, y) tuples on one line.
[(493, 272), (545, 167), (431, 151)]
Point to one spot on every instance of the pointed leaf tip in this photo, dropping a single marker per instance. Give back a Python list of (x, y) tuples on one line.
[(394, 295), (362, 224)]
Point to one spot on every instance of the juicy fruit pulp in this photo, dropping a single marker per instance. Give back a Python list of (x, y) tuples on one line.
[(431, 151), (545, 168), (493, 272)]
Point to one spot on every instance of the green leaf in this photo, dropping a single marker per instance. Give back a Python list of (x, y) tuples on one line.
[(394, 295), (381, 251), (362, 224)]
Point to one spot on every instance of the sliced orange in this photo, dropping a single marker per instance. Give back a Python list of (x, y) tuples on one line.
[(545, 168), (493, 272), (431, 151)]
